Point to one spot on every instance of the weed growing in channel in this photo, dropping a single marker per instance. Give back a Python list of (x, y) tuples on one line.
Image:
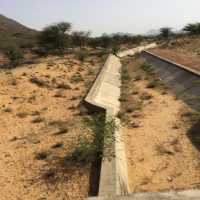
[(102, 142)]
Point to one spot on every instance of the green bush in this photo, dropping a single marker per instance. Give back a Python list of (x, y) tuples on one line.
[(115, 49), (147, 67), (102, 143), (15, 57)]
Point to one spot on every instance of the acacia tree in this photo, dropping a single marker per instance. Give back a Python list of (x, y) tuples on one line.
[(55, 37), (80, 38), (165, 32), (192, 29)]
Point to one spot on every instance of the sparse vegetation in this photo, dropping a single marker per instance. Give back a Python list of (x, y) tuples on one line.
[(15, 57), (103, 138), (37, 119), (147, 67), (42, 155), (39, 82), (22, 114), (154, 83), (145, 96), (7, 109), (82, 55), (63, 86), (76, 78)]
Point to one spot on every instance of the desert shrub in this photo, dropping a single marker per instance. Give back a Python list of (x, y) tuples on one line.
[(15, 56), (39, 82), (81, 55), (154, 83), (192, 116), (147, 67), (63, 86), (125, 75), (61, 125), (41, 155), (101, 144), (76, 78), (22, 114), (7, 110), (145, 96), (91, 71)]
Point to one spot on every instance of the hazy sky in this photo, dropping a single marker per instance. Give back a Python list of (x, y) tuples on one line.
[(99, 16)]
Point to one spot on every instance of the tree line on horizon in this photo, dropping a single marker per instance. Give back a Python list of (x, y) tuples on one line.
[(59, 38)]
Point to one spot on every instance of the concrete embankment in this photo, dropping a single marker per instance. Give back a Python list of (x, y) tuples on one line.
[(183, 81), (105, 93)]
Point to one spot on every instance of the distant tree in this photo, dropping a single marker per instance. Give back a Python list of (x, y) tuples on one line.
[(105, 41), (192, 29), (55, 37), (80, 38), (94, 42), (166, 32), (137, 39)]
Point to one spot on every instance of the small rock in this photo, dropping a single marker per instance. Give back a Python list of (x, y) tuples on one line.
[(136, 114), (170, 179), (13, 139), (140, 159), (135, 125)]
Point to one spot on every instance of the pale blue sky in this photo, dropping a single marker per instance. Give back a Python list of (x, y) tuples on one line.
[(99, 16)]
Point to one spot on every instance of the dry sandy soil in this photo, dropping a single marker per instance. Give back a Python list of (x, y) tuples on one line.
[(40, 125), (160, 154), (186, 59), (185, 51)]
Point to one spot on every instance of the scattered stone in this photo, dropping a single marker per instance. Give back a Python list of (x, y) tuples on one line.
[(136, 114), (57, 145), (135, 125), (141, 159), (37, 119), (13, 139), (170, 179)]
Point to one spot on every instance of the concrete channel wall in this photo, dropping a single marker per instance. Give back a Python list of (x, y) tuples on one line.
[(105, 94), (133, 51), (183, 81)]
